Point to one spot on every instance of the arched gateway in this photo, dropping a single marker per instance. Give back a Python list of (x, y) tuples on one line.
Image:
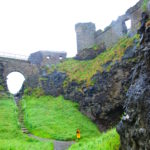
[(29, 68)]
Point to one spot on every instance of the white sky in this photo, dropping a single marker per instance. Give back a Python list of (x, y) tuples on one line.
[(27, 26)]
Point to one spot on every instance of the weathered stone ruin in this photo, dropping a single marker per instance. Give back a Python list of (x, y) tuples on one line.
[(87, 37)]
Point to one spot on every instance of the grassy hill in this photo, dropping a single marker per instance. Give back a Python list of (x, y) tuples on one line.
[(51, 118), (83, 70), (107, 141), (56, 118), (11, 137)]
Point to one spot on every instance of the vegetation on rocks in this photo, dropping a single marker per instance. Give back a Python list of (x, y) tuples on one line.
[(84, 70), (37, 92)]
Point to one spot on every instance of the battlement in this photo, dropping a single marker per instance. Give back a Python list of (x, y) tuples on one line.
[(87, 36)]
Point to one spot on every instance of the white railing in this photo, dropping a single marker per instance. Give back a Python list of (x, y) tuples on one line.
[(13, 56)]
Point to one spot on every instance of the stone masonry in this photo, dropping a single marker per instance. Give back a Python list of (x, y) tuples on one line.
[(47, 58), (87, 36), (30, 68)]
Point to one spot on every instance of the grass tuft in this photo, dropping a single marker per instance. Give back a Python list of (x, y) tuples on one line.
[(107, 141)]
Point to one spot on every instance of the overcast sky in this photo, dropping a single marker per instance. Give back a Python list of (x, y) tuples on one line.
[(27, 26)]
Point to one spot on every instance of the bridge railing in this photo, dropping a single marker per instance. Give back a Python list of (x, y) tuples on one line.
[(13, 56)]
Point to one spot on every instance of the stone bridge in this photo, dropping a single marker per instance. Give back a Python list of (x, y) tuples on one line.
[(28, 67), (18, 65)]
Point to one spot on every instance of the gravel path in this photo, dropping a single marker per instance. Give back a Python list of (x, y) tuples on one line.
[(58, 145)]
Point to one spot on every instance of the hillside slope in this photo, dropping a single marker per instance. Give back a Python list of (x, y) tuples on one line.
[(98, 85)]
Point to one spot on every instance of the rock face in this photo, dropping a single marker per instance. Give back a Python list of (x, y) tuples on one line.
[(134, 128), (102, 102), (90, 53), (53, 83)]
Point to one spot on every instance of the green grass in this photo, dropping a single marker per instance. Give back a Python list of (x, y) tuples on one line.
[(83, 70), (11, 137), (56, 118), (51, 118), (107, 141), (144, 5)]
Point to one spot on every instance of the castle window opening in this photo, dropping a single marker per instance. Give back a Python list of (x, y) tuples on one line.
[(60, 57), (47, 57), (128, 24)]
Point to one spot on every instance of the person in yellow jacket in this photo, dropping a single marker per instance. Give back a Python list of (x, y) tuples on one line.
[(78, 133)]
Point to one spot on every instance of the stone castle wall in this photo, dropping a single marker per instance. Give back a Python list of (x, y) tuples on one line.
[(87, 36), (46, 58)]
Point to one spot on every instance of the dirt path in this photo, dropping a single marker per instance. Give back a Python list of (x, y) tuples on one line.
[(58, 145)]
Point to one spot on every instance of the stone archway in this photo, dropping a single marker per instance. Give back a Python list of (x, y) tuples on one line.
[(15, 81)]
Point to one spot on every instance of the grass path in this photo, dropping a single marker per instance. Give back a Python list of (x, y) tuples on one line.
[(58, 145), (56, 118), (11, 136)]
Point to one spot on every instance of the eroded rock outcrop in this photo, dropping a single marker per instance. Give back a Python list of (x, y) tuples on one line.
[(103, 102), (90, 53), (134, 128), (52, 84)]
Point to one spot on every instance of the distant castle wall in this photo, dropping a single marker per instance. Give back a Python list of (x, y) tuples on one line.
[(87, 36), (46, 58)]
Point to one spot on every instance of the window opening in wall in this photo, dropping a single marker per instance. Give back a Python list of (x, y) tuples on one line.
[(47, 57), (60, 57), (15, 82), (128, 24)]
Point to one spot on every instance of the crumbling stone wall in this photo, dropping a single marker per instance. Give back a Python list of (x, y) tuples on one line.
[(112, 34), (87, 36), (46, 58)]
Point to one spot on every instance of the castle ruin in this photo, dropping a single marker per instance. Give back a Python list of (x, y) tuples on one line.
[(87, 36)]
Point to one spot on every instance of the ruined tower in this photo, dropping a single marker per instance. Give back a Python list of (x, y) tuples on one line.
[(85, 34)]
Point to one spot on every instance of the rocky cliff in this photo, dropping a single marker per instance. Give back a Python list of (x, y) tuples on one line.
[(99, 85), (134, 128)]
